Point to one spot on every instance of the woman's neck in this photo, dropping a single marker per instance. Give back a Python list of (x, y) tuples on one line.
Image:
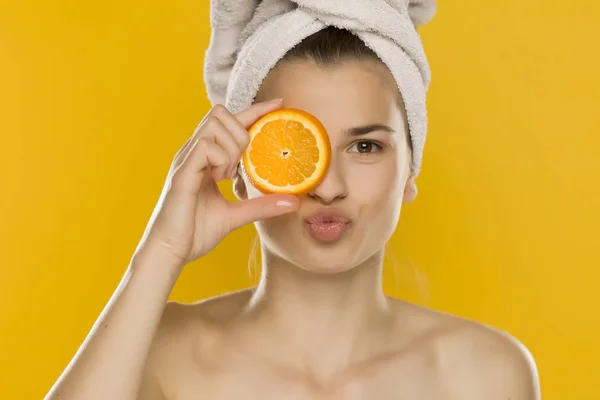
[(320, 321)]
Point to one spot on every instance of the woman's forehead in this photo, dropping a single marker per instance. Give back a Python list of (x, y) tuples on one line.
[(341, 96)]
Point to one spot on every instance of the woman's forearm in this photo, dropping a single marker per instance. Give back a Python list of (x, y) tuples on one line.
[(110, 362)]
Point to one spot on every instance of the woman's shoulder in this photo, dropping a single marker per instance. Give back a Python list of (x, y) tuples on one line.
[(470, 351), (183, 324), (189, 335), (203, 314)]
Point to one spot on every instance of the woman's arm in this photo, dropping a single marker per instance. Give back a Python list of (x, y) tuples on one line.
[(110, 364), (189, 220)]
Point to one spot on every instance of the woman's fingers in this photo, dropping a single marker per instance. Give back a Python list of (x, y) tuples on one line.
[(252, 114), (204, 154), (260, 208), (227, 131), (238, 133), (217, 131)]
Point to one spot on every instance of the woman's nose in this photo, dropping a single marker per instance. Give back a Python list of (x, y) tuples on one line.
[(332, 187)]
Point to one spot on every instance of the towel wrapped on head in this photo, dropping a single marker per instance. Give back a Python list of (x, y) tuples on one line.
[(249, 37)]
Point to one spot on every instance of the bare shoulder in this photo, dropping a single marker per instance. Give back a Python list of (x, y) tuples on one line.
[(186, 322), (188, 337), (214, 310), (502, 366), (475, 360)]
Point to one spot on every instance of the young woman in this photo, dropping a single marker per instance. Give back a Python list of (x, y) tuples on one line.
[(318, 325)]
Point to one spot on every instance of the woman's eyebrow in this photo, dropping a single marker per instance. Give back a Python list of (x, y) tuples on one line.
[(363, 130)]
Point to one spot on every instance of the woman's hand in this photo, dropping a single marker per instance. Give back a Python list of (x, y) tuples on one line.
[(192, 216)]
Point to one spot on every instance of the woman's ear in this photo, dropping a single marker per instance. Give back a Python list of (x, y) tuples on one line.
[(410, 190), (239, 186)]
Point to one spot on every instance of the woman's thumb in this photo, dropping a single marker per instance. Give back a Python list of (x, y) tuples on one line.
[(268, 206)]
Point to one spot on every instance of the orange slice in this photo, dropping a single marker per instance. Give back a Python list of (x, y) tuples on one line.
[(289, 152)]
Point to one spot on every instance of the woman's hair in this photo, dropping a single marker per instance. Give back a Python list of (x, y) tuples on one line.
[(332, 46)]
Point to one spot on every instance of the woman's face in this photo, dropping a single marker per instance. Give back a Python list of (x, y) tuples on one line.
[(369, 176)]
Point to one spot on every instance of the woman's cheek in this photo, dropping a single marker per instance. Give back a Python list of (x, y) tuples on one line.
[(373, 180)]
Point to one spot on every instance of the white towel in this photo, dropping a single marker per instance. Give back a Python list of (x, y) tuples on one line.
[(250, 36)]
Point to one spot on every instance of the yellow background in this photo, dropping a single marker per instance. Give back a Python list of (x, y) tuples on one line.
[(96, 97)]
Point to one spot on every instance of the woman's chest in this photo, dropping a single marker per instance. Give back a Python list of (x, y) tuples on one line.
[(249, 382)]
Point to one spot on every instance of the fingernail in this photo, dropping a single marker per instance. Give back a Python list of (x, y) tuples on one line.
[(275, 101), (284, 203)]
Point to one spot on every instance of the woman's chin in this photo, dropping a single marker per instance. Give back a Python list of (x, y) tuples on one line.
[(319, 257), (330, 269), (325, 260)]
